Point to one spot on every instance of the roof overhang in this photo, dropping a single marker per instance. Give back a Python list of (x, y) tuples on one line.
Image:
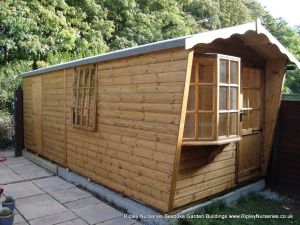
[(252, 34)]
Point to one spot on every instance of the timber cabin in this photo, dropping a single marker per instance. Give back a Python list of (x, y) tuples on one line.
[(168, 123)]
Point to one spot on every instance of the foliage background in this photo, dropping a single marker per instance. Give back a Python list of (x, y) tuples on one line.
[(35, 34)]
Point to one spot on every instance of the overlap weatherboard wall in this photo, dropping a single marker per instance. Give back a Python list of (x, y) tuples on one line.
[(138, 114)]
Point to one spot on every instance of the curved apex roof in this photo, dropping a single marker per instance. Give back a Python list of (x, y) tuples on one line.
[(252, 34)]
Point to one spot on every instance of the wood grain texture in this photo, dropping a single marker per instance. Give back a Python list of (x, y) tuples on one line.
[(275, 72), (138, 116)]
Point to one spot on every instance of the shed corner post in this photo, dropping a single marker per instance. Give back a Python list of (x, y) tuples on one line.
[(181, 127), (19, 124)]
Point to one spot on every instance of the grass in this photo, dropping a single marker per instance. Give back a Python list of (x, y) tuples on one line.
[(254, 204)]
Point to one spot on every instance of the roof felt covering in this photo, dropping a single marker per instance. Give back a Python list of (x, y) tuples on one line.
[(252, 34)]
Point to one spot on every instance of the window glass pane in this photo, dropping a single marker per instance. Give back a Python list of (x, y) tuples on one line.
[(233, 98), (75, 78), (245, 122), (223, 98), (245, 98), (193, 75), (233, 124), (205, 125), (92, 99), (254, 119), (191, 100), (205, 97), (189, 127), (254, 98), (205, 74), (81, 78), (223, 117), (234, 72), (223, 71)]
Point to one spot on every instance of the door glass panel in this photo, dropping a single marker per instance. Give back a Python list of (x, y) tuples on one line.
[(245, 98), (189, 127), (245, 123), (234, 72), (233, 98), (205, 74), (223, 98), (205, 125), (223, 117), (191, 99), (254, 98), (233, 123), (223, 71), (205, 98)]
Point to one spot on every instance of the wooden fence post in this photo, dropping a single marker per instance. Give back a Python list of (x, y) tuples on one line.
[(19, 125)]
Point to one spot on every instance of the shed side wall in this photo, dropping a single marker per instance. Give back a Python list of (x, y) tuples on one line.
[(53, 117), (138, 115)]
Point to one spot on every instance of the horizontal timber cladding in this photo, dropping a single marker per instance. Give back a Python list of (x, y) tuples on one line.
[(198, 177), (53, 117), (138, 113)]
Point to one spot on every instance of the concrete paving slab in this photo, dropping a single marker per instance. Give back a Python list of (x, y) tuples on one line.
[(74, 222), (97, 213), (21, 223), (54, 219), (8, 176), (52, 184), (119, 221), (22, 189), (39, 206), (18, 218), (69, 195), (12, 161), (29, 175), (82, 203)]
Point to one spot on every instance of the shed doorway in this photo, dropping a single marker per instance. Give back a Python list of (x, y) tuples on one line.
[(250, 148)]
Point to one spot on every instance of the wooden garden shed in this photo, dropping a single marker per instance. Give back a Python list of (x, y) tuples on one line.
[(168, 123)]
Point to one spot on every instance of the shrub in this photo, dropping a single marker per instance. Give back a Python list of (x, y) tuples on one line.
[(6, 130)]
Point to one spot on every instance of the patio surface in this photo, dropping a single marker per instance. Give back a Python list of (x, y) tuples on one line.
[(45, 199)]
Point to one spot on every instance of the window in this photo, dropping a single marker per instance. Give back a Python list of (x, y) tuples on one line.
[(212, 115), (83, 112)]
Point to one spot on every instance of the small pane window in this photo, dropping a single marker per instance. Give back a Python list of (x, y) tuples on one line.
[(223, 118), (234, 72), (223, 71), (233, 98), (233, 124), (189, 128), (223, 98), (205, 98), (84, 98), (213, 103), (205, 125), (205, 74), (191, 99)]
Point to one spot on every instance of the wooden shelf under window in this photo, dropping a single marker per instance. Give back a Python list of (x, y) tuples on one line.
[(217, 142)]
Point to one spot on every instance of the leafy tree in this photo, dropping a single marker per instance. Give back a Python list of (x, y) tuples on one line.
[(36, 34)]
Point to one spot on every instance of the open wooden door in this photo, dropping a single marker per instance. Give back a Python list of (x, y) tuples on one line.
[(37, 113), (250, 148)]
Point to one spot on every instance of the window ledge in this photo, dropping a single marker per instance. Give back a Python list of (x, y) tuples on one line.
[(218, 142)]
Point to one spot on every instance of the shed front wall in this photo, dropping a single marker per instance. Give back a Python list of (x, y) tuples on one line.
[(138, 115)]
